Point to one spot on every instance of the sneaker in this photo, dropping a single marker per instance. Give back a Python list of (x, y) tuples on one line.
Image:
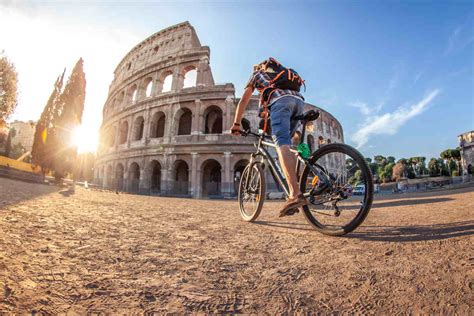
[(291, 206)]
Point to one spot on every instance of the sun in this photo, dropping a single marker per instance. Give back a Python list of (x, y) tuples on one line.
[(85, 139)]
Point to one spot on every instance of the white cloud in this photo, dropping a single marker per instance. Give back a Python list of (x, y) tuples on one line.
[(363, 107), (389, 123), (42, 44)]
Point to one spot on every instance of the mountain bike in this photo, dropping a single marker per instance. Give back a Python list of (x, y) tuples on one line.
[(328, 179)]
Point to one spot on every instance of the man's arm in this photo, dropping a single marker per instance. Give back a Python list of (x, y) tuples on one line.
[(244, 101)]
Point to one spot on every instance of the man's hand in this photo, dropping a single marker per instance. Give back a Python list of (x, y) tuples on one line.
[(235, 129)]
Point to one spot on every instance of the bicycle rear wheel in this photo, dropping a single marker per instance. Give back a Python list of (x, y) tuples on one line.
[(340, 207), (251, 192)]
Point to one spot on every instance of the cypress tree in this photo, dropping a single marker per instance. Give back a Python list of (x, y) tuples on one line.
[(71, 107), (43, 144)]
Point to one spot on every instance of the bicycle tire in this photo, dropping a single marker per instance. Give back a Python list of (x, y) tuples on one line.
[(364, 211), (261, 196)]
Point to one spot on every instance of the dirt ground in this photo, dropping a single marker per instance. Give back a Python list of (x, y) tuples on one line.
[(102, 253)]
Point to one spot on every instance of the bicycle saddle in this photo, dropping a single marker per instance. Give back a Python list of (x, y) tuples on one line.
[(308, 116)]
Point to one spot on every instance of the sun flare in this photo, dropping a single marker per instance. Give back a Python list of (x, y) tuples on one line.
[(85, 139)]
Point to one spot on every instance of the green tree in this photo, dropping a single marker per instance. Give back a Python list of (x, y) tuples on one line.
[(8, 146), (8, 89), (44, 144), (391, 159), (434, 167), (400, 170)]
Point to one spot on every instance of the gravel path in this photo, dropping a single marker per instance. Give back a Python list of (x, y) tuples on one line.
[(103, 253)]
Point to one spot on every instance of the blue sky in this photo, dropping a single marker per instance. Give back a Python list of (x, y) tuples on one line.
[(397, 75)]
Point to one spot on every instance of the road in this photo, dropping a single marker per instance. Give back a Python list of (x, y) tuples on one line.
[(105, 253)]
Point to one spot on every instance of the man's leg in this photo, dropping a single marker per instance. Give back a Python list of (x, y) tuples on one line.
[(288, 163)]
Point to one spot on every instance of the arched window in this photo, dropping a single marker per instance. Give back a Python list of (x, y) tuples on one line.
[(181, 177), (123, 132), (211, 178), (190, 78), (138, 127), (167, 81), (213, 120), (111, 136), (157, 128), (184, 122), (119, 100), (119, 177), (155, 176), (134, 177), (148, 87), (134, 96), (320, 141)]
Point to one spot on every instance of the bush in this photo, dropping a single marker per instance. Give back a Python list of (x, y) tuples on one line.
[(455, 173)]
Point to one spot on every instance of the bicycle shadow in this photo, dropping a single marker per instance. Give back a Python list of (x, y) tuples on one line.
[(405, 202), (393, 233), (414, 233)]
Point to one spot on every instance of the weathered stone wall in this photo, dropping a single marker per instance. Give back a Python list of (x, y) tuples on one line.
[(164, 133)]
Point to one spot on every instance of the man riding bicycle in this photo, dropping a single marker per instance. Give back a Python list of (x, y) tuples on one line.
[(280, 97)]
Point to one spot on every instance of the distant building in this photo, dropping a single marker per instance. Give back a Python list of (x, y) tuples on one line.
[(466, 142), (24, 133)]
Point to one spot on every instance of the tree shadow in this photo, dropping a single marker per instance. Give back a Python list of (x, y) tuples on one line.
[(415, 232), (16, 191)]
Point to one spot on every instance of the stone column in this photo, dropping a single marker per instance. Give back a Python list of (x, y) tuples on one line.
[(164, 180), (197, 118), (143, 187), (194, 181), (146, 126), (227, 119), (178, 80), (227, 182), (200, 72)]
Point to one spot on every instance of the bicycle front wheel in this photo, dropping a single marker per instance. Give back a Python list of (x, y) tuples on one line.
[(251, 192), (340, 206)]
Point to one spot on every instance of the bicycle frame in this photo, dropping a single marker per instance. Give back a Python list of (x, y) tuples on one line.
[(275, 169)]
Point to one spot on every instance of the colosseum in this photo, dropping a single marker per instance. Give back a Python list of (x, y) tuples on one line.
[(165, 123)]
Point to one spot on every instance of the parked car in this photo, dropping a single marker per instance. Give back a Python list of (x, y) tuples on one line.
[(359, 190)]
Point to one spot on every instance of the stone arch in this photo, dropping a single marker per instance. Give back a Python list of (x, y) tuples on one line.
[(180, 177), (238, 170), (320, 141), (190, 77), (108, 177), (123, 132), (184, 119), (109, 137), (132, 94), (310, 141), (211, 178), (245, 124), (157, 126), (138, 128), (165, 82), (119, 172), (213, 120), (154, 176), (118, 102), (133, 177), (148, 87)]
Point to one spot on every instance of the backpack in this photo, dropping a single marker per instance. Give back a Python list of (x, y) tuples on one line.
[(281, 78)]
